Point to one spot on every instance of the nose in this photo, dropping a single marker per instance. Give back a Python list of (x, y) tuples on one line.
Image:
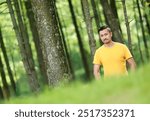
[(104, 37)]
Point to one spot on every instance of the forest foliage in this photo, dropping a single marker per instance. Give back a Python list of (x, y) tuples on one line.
[(54, 44)]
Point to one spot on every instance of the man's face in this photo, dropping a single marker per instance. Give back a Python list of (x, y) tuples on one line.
[(105, 36)]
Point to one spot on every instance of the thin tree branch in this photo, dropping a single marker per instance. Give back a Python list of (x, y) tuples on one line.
[(3, 3)]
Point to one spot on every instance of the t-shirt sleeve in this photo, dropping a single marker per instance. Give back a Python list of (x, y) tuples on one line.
[(127, 52), (97, 58)]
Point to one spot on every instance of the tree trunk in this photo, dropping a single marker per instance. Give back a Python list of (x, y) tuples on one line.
[(147, 23), (143, 32), (24, 48), (52, 49), (65, 45), (96, 16), (112, 21), (88, 22), (127, 26), (1, 93), (65, 35), (137, 28), (13, 85), (84, 59), (36, 40), (6, 91), (114, 9), (146, 11)]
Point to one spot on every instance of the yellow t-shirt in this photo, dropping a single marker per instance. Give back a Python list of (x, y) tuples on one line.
[(112, 59)]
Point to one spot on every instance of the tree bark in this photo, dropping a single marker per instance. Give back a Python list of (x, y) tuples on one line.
[(88, 22), (146, 11), (84, 59), (24, 48), (96, 16), (114, 9), (65, 46), (52, 49), (127, 26), (13, 85), (112, 21), (36, 40), (143, 32), (6, 90), (1, 93), (137, 28)]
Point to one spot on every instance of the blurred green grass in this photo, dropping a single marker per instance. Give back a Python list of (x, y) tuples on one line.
[(131, 89)]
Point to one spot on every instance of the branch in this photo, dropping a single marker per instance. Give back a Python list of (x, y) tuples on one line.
[(3, 3), (131, 20), (3, 11)]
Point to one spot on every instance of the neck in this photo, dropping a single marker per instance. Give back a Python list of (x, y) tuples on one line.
[(110, 44)]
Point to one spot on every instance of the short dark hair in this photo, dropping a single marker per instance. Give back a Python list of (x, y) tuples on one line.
[(104, 27)]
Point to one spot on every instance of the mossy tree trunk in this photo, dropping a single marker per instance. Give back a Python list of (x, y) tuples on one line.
[(36, 40)]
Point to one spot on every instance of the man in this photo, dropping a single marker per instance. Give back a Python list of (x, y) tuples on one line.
[(111, 55)]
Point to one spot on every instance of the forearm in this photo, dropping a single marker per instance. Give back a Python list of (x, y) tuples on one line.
[(132, 67), (96, 71), (132, 64), (97, 75)]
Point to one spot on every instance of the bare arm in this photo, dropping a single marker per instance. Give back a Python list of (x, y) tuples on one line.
[(96, 71), (131, 63)]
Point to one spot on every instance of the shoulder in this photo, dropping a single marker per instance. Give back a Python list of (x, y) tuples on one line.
[(99, 51), (100, 48), (121, 45), (124, 49)]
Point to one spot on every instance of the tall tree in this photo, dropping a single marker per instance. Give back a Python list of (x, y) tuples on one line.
[(1, 93), (24, 47), (137, 29), (13, 85), (88, 22), (65, 44), (127, 25), (84, 59), (146, 12), (52, 48), (114, 9), (112, 21), (143, 31), (97, 16), (36, 40), (6, 90)]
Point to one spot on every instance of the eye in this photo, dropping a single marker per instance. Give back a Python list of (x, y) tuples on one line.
[(106, 34)]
